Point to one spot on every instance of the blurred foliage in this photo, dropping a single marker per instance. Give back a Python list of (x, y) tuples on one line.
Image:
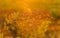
[(29, 19)]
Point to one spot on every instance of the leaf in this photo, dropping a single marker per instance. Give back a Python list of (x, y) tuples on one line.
[(44, 26)]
